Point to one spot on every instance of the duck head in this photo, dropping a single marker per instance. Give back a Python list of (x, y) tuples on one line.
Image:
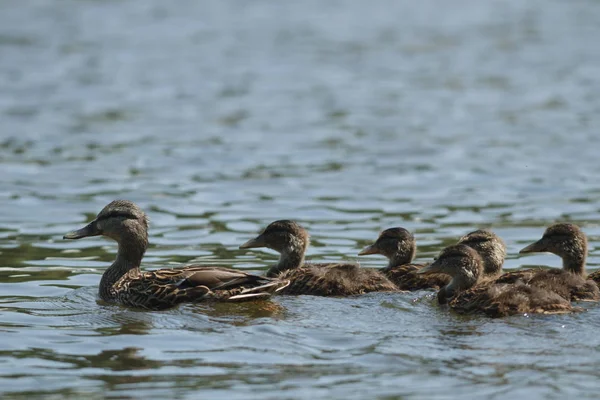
[(566, 241), (122, 221), (490, 247), (462, 263), (397, 244)]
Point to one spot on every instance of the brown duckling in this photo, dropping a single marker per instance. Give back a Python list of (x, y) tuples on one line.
[(123, 282), (570, 243), (335, 279), (466, 293), (399, 246), (490, 247)]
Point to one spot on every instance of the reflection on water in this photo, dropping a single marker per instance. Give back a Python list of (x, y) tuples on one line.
[(219, 118)]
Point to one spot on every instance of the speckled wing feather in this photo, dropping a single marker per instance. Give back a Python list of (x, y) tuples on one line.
[(500, 300), (569, 286), (405, 277), (341, 279), (165, 288)]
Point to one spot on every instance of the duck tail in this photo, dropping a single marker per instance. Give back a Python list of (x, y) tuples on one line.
[(271, 287), (261, 292), (249, 297)]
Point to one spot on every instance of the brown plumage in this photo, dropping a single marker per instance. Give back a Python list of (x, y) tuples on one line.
[(335, 279), (123, 282), (595, 276), (467, 293), (570, 243), (490, 247), (399, 246)]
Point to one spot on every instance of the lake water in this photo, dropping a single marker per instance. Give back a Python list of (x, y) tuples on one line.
[(219, 117)]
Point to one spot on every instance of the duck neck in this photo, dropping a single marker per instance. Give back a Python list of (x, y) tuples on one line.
[(575, 262), (400, 258), (129, 259), (289, 259)]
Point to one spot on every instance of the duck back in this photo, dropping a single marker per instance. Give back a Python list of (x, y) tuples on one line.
[(405, 277), (334, 280), (570, 286), (500, 300)]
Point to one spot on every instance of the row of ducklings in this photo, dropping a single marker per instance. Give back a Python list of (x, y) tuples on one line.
[(468, 275)]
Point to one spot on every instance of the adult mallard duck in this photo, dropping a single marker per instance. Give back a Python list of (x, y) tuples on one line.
[(570, 243), (123, 282), (466, 293), (335, 279), (399, 246)]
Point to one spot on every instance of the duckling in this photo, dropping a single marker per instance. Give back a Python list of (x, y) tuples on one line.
[(335, 279), (490, 247), (124, 283), (399, 246), (570, 243), (466, 294)]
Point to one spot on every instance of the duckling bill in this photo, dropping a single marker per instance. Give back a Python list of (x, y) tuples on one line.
[(334, 279), (124, 282)]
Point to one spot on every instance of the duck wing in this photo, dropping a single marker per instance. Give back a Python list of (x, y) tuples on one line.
[(166, 288), (212, 277)]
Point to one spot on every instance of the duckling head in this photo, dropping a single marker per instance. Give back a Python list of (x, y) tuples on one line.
[(121, 220), (283, 236), (395, 244), (461, 262), (490, 247), (566, 241)]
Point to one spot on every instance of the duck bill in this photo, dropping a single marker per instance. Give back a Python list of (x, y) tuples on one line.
[(372, 249), (258, 241), (536, 247), (88, 230), (432, 268)]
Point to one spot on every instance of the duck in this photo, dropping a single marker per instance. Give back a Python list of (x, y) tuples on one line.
[(291, 241), (567, 241), (490, 247), (398, 245), (468, 294), (126, 284)]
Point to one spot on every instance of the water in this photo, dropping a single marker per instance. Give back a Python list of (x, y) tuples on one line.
[(220, 117)]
